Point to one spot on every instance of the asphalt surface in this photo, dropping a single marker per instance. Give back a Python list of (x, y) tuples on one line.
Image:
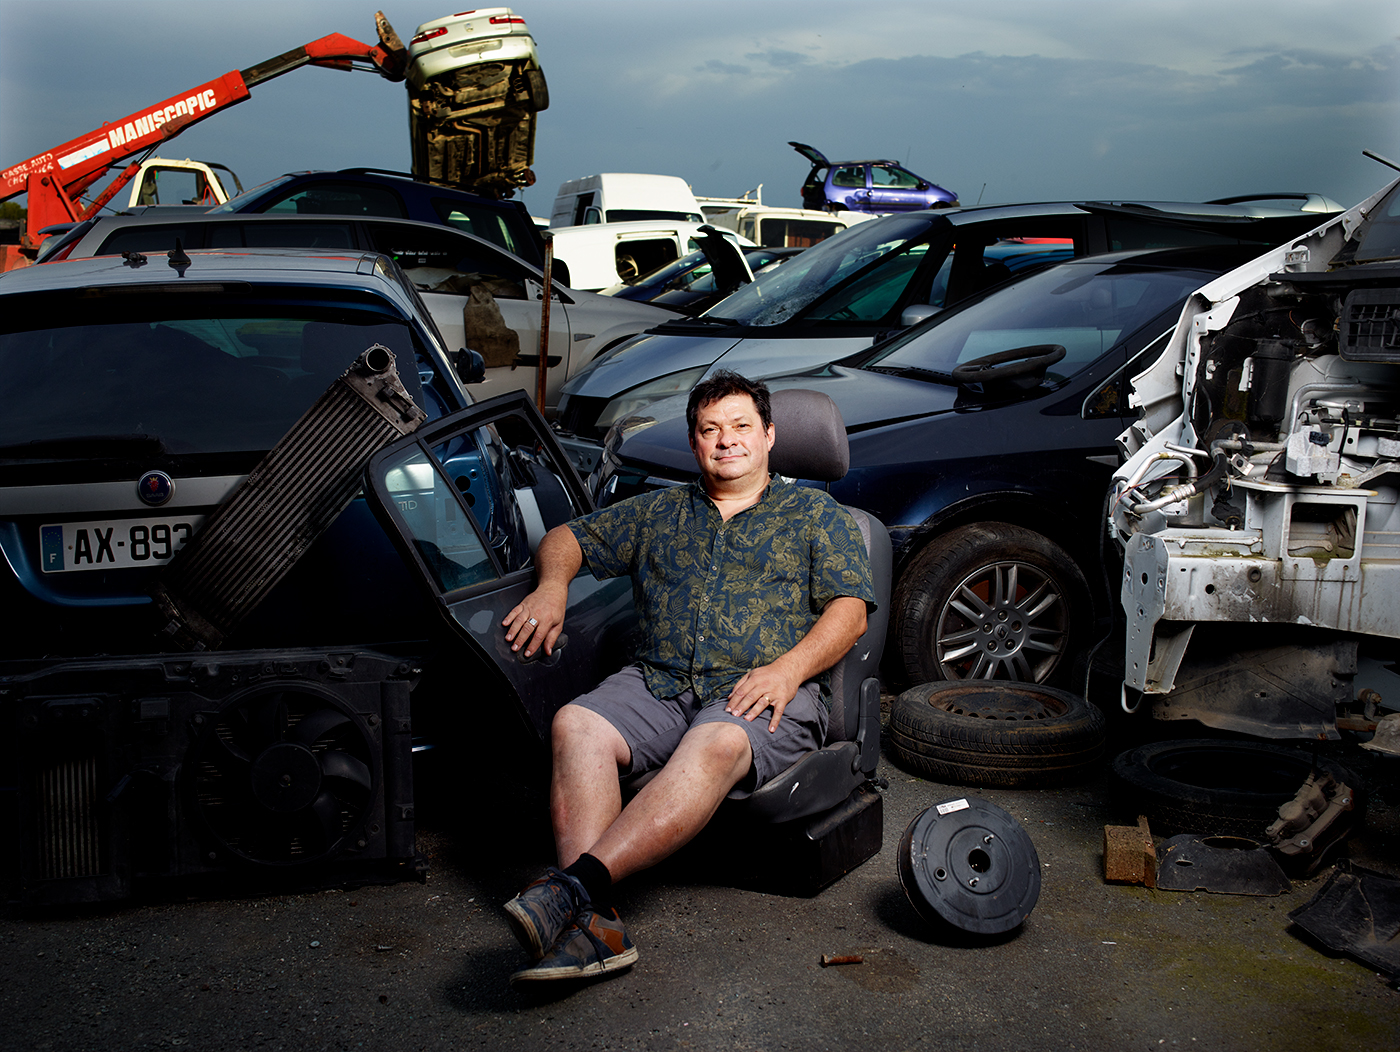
[(424, 966)]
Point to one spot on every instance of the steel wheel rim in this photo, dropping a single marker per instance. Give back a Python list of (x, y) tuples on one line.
[(1006, 620)]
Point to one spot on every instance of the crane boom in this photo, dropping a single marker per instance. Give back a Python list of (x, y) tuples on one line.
[(55, 179)]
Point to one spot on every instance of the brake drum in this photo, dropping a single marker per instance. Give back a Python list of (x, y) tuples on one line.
[(967, 864)]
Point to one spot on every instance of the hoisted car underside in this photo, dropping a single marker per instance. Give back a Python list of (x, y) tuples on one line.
[(1263, 492)]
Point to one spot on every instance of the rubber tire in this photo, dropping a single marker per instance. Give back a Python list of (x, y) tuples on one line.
[(538, 88), (995, 734), (926, 585), (1179, 784)]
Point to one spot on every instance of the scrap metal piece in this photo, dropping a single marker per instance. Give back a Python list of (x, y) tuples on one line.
[(288, 500), (1317, 817), (829, 960), (967, 864), (1225, 865), (1386, 740), (1356, 912)]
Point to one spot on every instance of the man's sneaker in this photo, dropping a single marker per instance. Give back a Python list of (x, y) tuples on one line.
[(544, 909), (597, 942)]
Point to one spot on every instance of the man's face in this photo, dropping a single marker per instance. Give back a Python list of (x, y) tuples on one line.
[(730, 441)]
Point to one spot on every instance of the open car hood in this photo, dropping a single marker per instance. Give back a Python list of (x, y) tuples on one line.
[(1270, 225), (726, 259)]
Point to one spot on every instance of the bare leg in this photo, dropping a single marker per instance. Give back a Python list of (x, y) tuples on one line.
[(676, 804), (584, 795)]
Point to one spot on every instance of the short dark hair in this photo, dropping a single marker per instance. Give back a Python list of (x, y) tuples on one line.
[(721, 385)]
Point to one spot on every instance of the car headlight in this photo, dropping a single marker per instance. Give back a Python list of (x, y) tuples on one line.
[(629, 403)]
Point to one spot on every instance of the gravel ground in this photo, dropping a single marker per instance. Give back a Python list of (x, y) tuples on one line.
[(424, 966)]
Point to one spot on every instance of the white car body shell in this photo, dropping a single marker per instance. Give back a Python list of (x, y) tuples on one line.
[(488, 34)]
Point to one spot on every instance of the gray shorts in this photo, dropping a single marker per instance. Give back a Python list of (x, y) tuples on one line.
[(653, 727)]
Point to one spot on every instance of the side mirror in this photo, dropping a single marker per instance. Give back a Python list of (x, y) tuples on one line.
[(559, 271), (917, 312), (470, 366)]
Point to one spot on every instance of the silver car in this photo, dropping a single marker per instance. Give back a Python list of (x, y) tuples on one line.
[(479, 295)]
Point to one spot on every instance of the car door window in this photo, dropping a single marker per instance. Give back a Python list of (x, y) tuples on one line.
[(475, 502), (486, 222), (849, 175), (340, 198), (894, 178), (441, 262), (150, 238), (280, 235)]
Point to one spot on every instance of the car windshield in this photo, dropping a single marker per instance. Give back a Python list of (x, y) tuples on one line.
[(1381, 238), (781, 294), (1086, 307), (144, 371), (237, 204)]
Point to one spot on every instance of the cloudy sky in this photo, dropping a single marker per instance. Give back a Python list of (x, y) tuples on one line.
[(1006, 100)]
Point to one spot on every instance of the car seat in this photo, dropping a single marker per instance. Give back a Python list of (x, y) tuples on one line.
[(823, 816), (811, 444)]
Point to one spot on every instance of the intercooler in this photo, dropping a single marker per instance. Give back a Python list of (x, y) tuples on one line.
[(255, 537), (275, 766)]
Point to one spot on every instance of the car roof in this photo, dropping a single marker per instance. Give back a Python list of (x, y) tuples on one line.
[(356, 268), (105, 225), (373, 175)]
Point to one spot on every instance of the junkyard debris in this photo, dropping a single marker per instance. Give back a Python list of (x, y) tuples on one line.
[(1129, 855), (829, 959), (1225, 865)]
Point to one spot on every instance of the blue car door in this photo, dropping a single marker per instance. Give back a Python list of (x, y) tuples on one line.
[(466, 500)]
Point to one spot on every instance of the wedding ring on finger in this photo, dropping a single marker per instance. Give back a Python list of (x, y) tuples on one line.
[(532, 622)]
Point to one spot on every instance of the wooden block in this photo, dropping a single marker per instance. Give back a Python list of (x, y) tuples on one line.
[(1129, 855)]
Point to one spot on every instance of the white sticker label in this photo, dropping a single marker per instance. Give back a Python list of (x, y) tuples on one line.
[(953, 805)]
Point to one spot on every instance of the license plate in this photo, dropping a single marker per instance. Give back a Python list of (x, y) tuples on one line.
[(114, 544)]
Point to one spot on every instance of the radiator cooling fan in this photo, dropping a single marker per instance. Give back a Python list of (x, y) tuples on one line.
[(282, 776)]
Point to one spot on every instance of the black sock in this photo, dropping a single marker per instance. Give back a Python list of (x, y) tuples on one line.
[(595, 878)]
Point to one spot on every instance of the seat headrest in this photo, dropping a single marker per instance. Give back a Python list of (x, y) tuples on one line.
[(809, 437)]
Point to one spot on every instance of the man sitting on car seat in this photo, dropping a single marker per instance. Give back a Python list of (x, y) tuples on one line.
[(748, 588)]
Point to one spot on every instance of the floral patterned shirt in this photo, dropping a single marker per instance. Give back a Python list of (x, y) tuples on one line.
[(717, 598)]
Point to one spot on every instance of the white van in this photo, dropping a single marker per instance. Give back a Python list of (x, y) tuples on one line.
[(601, 254), (623, 197), (774, 227)]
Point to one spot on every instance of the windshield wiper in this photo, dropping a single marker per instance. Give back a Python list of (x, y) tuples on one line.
[(696, 319), (913, 372), (87, 447)]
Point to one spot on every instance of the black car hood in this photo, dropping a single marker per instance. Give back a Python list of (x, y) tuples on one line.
[(866, 400), (1218, 221)]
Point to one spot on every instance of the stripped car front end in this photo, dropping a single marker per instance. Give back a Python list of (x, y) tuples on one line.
[(1262, 491)]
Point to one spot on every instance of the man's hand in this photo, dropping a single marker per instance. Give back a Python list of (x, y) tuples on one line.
[(762, 688), (538, 619), (773, 686)]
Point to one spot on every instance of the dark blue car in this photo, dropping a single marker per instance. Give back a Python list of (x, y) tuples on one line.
[(983, 439), (369, 192)]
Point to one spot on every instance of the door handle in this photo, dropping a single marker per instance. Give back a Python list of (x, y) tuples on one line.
[(540, 656)]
